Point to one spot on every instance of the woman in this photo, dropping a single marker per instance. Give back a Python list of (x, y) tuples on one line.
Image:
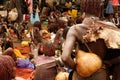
[(35, 39), (7, 66)]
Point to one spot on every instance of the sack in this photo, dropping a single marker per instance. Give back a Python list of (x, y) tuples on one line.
[(13, 14)]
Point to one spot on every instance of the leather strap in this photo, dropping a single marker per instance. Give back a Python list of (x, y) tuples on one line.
[(70, 75), (81, 37)]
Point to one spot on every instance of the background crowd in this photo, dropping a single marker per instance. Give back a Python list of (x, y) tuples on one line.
[(45, 24)]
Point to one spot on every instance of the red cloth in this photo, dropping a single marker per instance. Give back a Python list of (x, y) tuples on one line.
[(115, 2), (27, 74)]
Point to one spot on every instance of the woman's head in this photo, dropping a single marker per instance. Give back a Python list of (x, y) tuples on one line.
[(71, 22), (11, 53), (116, 15), (79, 20), (37, 24), (93, 10), (7, 67)]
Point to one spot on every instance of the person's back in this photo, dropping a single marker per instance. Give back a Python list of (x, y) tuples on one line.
[(74, 35), (81, 31)]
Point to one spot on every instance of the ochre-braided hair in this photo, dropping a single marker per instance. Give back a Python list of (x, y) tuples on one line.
[(7, 67)]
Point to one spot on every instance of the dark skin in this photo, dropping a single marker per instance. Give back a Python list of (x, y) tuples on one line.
[(72, 37)]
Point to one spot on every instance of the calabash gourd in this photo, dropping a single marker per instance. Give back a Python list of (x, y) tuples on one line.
[(62, 76), (24, 43), (87, 63)]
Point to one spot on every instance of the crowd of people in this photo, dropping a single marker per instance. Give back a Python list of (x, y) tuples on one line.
[(114, 18), (54, 40)]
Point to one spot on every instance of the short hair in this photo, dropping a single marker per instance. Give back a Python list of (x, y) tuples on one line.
[(87, 7), (71, 22), (79, 20), (7, 66), (37, 24)]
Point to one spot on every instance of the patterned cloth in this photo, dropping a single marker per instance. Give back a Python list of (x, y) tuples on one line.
[(47, 48), (24, 63)]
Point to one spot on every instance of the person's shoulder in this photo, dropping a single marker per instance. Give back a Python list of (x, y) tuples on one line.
[(74, 28)]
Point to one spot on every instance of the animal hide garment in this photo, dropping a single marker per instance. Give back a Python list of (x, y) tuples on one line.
[(110, 34)]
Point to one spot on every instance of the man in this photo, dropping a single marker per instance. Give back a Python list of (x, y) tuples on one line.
[(73, 36)]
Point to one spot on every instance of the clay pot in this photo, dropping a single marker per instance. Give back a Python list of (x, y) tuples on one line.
[(87, 63), (62, 76)]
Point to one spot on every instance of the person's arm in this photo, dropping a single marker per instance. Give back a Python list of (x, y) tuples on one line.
[(68, 47)]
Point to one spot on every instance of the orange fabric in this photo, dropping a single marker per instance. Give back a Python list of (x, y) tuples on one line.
[(25, 49), (18, 54), (27, 74)]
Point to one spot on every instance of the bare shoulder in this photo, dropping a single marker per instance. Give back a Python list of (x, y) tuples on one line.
[(75, 27)]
